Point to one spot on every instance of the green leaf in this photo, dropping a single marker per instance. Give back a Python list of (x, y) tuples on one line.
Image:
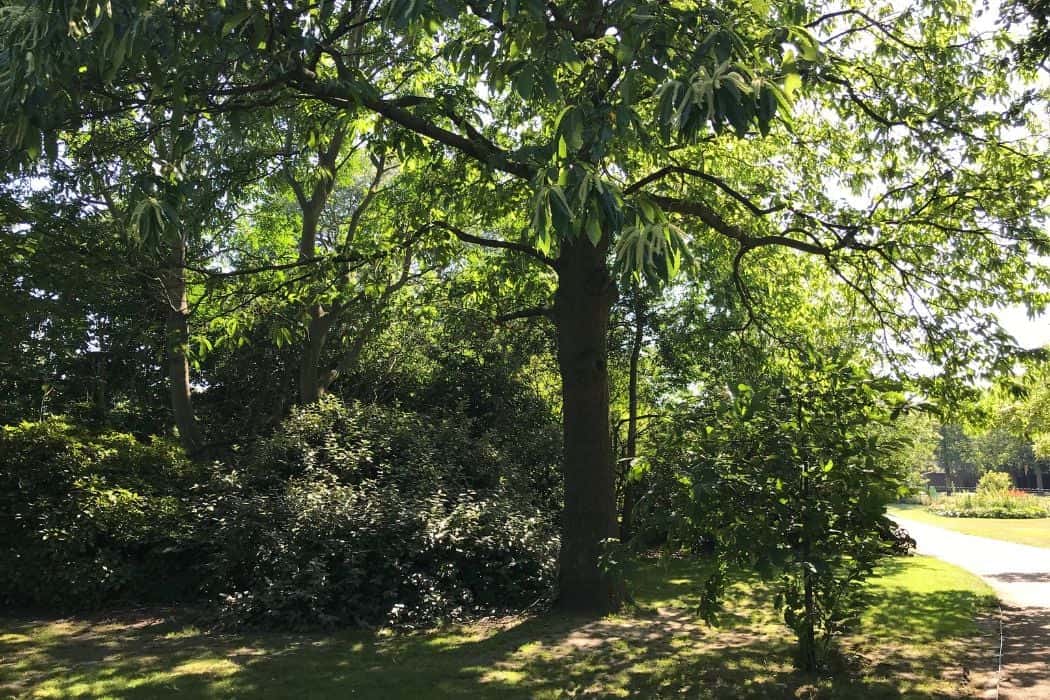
[(570, 127), (523, 83), (761, 7), (594, 229)]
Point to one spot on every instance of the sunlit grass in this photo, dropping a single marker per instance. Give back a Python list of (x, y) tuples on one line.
[(1035, 532), (912, 642)]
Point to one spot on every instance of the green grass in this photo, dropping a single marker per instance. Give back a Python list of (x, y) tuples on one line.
[(911, 643), (1035, 532)]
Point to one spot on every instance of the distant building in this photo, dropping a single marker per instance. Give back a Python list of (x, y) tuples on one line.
[(938, 480)]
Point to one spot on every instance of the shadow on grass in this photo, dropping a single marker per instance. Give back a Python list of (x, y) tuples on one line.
[(657, 651), (1026, 653), (904, 617), (1023, 577)]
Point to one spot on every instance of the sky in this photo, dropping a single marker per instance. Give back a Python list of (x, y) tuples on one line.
[(1030, 333)]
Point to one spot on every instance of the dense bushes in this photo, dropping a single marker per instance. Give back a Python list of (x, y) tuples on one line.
[(994, 499), (365, 514), (90, 518), (346, 514)]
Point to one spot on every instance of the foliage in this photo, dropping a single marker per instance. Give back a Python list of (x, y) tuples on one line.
[(364, 515), (348, 513), (791, 475), (992, 483), (89, 518)]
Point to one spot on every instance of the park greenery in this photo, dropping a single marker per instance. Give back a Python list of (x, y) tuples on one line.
[(993, 498), (409, 313)]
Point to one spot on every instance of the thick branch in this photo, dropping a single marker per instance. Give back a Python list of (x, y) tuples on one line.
[(476, 147), (713, 219)]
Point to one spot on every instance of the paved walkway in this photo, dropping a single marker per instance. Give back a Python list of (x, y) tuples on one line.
[(1020, 576)]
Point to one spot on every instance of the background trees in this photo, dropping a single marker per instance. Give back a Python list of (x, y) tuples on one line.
[(883, 156)]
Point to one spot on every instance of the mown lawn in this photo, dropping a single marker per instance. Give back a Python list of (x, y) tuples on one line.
[(914, 642), (1035, 531)]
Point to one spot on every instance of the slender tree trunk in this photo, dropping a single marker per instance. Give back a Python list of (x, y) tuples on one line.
[(808, 638), (1039, 477), (583, 300), (311, 385), (631, 488), (99, 400), (178, 363)]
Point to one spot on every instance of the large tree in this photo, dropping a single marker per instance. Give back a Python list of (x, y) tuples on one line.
[(886, 143)]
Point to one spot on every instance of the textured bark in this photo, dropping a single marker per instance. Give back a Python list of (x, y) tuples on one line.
[(177, 326), (311, 382), (583, 300), (311, 385)]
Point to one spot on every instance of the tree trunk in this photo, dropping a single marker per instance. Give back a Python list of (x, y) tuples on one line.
[(178, 363), (583, 300), (631, 488), (1039, 477), (311, 385), (99, 400)]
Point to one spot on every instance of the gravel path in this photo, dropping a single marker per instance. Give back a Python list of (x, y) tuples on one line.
[(1020, 576)]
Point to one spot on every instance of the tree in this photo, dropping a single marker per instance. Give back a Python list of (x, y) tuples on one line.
[(1035, 49), (955, 456), (631, 129), (76, 339), (790, 474), (1013, 433)]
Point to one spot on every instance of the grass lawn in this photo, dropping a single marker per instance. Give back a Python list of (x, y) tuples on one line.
[(1035, 531), (912, 643)]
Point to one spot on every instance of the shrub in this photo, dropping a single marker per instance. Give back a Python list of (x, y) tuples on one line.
[(994, 498), (356, 514), (991, 504), (87, 518), (994, 483), (373, 519)]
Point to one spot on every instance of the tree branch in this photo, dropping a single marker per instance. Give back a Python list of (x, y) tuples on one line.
[(495, 243), (713, 219), (477, 147), (713, 179), (530, 312)]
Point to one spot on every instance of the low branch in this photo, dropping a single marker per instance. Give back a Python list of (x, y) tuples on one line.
[(531, 312), (334, 259), (495, 243)]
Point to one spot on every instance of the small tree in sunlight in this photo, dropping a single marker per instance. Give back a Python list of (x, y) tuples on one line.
[(994, 483), (790, 477)]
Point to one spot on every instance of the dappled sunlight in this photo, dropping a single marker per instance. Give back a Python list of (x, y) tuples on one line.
[(1026, 653), (910, 644)]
